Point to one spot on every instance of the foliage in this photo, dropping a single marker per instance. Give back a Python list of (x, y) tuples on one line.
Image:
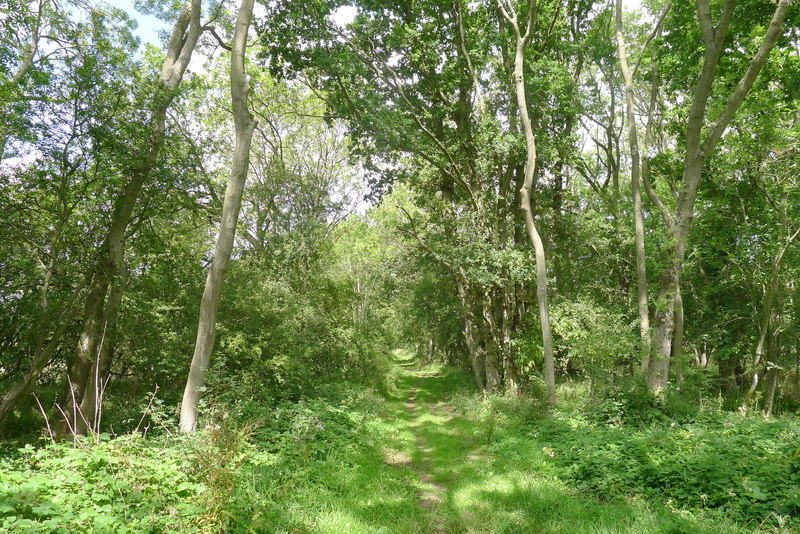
[(744, 469), (126, 484)]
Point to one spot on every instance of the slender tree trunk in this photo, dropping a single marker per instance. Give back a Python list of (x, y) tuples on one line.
[(533, 234), (522, 41), (677, 344), (107, 271), (772, 380), (638, 216), (244, 124), (766, 320)]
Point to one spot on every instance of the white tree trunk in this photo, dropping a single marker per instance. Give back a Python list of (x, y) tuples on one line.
[(633, 140), (522, 41), (244, 124)]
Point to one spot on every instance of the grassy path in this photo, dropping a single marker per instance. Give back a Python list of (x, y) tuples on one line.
[(421, 452), (440, 465)]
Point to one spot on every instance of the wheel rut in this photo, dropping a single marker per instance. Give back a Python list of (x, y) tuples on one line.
[(431, 493)]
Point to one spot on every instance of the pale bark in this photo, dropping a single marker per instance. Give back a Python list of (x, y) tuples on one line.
[(772, 380), (522, 41), (697, 153), (633, 140), (106, 272), (244, 124), (766, 320), (677, 343)]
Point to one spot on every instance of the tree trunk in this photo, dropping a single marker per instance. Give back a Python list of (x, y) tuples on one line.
[(527, 187), (473, 346), (492, 366), (92, 403), (509, 366), (697, 152), (641, 265), (108, 268), (677, 344), (244, 124), (772, 380)]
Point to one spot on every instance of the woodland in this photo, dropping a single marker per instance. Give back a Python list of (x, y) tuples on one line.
[(412, 266)]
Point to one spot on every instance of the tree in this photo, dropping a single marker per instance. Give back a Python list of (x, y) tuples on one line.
[(633, 140), (701, 139), (57, 195), (521, 43), (244, 124), (108, 273)]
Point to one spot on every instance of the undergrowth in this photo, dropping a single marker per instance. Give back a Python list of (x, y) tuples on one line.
[(600, 461)]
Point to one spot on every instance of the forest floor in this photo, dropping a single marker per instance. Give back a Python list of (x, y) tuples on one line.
[(469, 472), (421, 453)]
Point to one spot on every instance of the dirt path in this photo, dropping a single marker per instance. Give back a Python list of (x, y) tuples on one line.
[(432, 494), (462, 468), (421, 457)]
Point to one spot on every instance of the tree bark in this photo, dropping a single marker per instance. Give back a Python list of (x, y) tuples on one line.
[(772, 380), (677, 343), (108, 268), (475, 354), (697, 153), (92, 403), (638, 216), (244, 124), (522, 41)]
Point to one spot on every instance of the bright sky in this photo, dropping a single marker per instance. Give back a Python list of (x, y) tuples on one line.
[(148, 27)]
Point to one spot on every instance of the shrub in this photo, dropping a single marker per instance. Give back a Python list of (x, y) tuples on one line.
[(127, 484), (746, 469)]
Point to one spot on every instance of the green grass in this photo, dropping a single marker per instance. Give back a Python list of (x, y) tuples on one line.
[(429, 456), (458, 464)]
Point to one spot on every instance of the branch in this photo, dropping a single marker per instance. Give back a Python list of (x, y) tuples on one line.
[(722, 28), (652, 36), (704, 17), (532, 19), (213, 32), (651, 194), (746, 83), (413, 232), (397, 85)]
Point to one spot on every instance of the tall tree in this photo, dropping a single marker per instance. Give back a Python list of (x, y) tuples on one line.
[(108, 272), (244, 124), (638, 215), (701, 139), (521, 41)]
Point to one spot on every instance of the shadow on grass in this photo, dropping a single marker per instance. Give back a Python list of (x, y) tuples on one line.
[(486, 485)]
